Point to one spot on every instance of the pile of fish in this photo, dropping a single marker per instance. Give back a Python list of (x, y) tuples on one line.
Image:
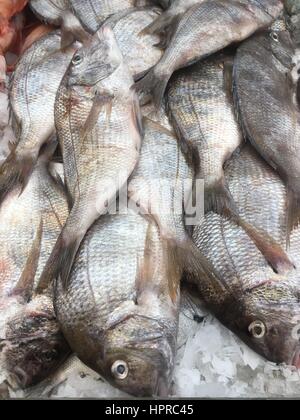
[(120, 123)]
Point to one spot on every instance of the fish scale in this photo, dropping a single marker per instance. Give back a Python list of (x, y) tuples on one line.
[(41, 211), (246, 292), (215, 25), (93, 13), (139, 50), (134, 320)]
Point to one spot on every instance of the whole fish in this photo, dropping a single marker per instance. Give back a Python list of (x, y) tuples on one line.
[(260, 306), (268, 109), (204, 29), (32, 96), (58, 12), (125, 330), (99, 128), (31, 343), (140, 51), (93, 13)]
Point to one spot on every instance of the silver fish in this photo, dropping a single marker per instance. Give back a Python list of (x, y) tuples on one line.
[(93, 13), (204, 29), (117, 312), (268, 109), (258, 304), (58, 12), (99, 128), (139, 51), (31, 343), (32, 96)]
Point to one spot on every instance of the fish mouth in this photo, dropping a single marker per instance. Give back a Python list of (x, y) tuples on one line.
[(296, 359)]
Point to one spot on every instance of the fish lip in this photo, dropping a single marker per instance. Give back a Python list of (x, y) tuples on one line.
[(296, 358)]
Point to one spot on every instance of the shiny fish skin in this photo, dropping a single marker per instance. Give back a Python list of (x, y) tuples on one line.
[(201, 109), (93, 13), (32, 96), (267, 106), (115, 309), (162, 170), (98, 124), (58, 12), (50, 11), (138, 50), (204, 29), (33, 345), (246, 295)]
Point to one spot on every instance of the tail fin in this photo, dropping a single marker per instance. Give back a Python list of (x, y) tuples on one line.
[(219, 199), (154, 85), (60, 262), (293, 210), (15, 172), (163, 23), (72, 30)]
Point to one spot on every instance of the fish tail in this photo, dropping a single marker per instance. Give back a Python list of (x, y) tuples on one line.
[(15, 172), (293, 209), (220, 200), (60, 262), (159, 26), (155, 85), (72, 30)]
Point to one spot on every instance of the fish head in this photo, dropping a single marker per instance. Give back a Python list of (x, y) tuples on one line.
[(138, 357), (34, 345), (282, 47), (96, 60), (269, 322)]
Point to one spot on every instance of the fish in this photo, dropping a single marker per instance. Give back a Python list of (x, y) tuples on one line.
[(141, 52), (169, 19), (124, 330), (267, 107), (200, 107), (243, 292), (99, 128), (58, 13), (32, 345), (32, 96), (93, 14), (203, 30)]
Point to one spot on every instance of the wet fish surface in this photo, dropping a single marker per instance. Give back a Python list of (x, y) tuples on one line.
[(256, 303), (125, 330), (93, 13), (32, 345), (32, 96), (139, 51), (205, 29), (268, 109), (99, 128)]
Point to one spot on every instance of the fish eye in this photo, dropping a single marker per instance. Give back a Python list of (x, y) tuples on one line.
[(77, 59), (120, 369), (257, 329), (274, 36)]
